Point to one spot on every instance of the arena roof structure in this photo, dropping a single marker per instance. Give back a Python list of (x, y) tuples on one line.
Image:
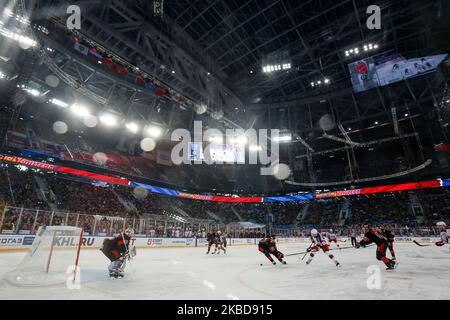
[(262, 64)]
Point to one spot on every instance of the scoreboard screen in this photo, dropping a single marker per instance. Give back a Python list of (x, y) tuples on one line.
[(225, 153)]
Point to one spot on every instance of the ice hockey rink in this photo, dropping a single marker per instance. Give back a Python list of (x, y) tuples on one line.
[(188, 273)]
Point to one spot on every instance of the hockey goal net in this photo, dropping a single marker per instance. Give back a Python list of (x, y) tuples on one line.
[(53, 258)]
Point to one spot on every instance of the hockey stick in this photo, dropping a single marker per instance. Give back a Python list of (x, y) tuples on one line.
[(422, 245), (127, 256), (306, 252)]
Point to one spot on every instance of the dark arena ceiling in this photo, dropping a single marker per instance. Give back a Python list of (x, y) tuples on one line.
[(213, 55)]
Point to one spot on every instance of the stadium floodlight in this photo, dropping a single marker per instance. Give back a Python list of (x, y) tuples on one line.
[(132, 127), (283, 138), (108, 119), (153, 131), (79, 110), (33, 92), (17, 37), (58, 103)]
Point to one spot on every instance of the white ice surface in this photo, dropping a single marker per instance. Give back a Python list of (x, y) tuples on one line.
[(188, 273)]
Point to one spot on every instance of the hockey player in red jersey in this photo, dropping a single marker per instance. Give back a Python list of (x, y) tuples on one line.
[(118, 250), (268, 246), (390, 238), (318, 242), (443, 234), (372, 236)]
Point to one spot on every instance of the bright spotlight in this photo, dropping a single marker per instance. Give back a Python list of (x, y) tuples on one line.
[(108, 120), (79, 110), (132, 127), (283, 138), (154, 131), (58, 103), (33, 92)]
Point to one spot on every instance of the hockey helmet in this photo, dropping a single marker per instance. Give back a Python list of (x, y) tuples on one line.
[(441, 224)]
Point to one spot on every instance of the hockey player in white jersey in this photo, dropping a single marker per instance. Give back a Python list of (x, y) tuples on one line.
[(219, 242), (318, 242), (443, 234), (331, 236)]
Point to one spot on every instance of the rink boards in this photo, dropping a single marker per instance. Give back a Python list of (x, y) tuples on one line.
[(12, 243)]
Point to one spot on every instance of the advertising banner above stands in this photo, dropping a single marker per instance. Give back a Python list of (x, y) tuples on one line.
[(231, 199), (300, 197)]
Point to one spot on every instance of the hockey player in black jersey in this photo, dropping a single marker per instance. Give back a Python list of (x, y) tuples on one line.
[(390, 238), (210, 237), (372, 236), (117, 250), (268, 246)]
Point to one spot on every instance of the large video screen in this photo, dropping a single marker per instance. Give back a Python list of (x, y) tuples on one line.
[(224, 153), (384, 69)]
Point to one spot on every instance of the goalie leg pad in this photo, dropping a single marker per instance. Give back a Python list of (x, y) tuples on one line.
[(116, 266)]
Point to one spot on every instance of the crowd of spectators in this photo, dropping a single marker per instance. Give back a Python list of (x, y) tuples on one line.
[(104, 208)]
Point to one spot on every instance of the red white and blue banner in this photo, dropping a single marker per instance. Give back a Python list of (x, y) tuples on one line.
[(231, 199)]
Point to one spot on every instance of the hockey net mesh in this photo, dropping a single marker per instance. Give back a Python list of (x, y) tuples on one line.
[(52, 259)]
